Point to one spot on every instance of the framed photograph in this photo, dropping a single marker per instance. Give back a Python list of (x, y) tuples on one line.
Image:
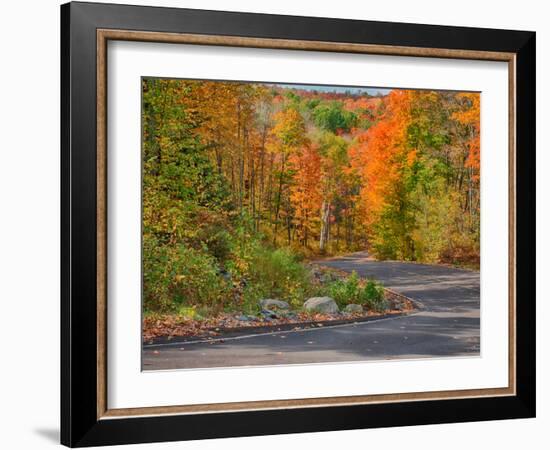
[(276, 224)]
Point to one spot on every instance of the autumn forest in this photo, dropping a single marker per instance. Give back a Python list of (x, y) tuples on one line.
[(243, 183)]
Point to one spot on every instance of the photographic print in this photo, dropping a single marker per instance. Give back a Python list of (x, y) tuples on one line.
[(298, 224), (264, 216)]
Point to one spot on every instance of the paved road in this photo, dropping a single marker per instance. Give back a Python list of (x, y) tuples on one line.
[(447, 325)]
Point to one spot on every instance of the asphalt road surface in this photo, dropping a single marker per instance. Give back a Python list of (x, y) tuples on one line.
[(447, 325)]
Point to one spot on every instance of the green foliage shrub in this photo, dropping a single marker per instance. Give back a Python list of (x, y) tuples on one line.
[(374, 295), (345, 291), (155, 280), (180, 276), (217, 241), (352, 290), (277, 274)]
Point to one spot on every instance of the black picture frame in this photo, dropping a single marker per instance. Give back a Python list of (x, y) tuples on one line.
[(80, 425)]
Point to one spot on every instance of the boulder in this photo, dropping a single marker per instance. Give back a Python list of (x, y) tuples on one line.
[(328, 277), (289, 315), (316, 273), (245, 318), (353, 308), (268, 314), (321, 304), (271, 303), (225, 275), (397, 304)]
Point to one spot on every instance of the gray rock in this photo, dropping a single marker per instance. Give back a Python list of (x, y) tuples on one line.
[(225, 274), (315, 273), (383, 305), (243, 318), (287, 314), (328, 277), (396, 304), (352, 308), (321, 304), (268, 314), (272, 303)]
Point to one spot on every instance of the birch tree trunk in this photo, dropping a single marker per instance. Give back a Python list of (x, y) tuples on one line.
[(325, 225)]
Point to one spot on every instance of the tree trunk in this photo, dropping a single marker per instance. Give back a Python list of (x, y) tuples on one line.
[(270, 190), (325, 225), (306, 230), (278, 205), (261, 180), (288, 227)]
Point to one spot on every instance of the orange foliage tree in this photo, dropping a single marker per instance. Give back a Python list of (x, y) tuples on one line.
[(470, 117), (305, 190), (378, 154)]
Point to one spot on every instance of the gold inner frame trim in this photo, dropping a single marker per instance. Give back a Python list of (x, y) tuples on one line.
[(103, 36)]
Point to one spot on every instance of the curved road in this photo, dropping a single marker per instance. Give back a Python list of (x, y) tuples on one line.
[(448, 324)]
